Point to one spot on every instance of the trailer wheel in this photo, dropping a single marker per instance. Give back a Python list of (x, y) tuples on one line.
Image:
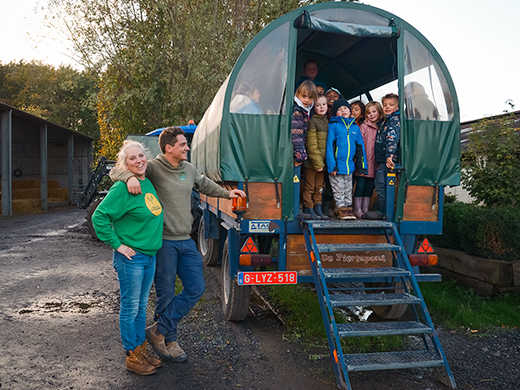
[(235, 298), (392, 312), (90, 211), (208, 247)]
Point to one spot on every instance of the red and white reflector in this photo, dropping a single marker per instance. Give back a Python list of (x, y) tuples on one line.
[(425, 247), (249, 246)]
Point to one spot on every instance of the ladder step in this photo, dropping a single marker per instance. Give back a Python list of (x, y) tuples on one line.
[(364, 273), (382, 328), (357, 247), (357, 224), (428, 277), (392, 360), (342, 300)]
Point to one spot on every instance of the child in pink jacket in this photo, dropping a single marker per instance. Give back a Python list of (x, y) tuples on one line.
[(365, 183)]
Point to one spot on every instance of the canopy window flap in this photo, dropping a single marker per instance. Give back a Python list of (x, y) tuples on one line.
[(306, 21)]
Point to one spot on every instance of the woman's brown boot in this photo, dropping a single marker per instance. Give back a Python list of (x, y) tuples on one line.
[(149, 358), (135, 362)]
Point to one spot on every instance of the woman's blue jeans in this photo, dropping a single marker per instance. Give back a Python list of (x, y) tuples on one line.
[(135, 281)]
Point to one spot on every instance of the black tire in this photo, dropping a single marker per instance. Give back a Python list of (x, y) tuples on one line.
[(235, 298), (90, 211), (208, 247), (390, 312)]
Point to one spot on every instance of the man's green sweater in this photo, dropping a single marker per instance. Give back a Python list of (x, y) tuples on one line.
[(133, 220), (173, 186)]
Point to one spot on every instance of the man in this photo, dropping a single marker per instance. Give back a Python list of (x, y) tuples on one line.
[(174, 178)]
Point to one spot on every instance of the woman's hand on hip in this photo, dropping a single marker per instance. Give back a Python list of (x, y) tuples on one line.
[(127, 251)]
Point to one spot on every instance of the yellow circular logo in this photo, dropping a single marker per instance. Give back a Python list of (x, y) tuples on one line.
[(153, 204)]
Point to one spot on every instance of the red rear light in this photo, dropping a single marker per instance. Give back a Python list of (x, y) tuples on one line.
[(255, 260), (423, 259)]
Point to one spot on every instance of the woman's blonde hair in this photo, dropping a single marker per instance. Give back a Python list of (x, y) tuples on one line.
[(378, 107), (123, 152)]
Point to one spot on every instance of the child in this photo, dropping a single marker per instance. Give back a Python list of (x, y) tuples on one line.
[(358, 111), (365, 183), (386, 152), (315, 145), (303, 102), (311, 70), (332, 95), (340, 159)]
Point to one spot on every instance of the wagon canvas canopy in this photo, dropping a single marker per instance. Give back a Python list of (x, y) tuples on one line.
[(361, 50)]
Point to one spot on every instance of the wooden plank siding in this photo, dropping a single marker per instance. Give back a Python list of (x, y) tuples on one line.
[(298, 259), (262, 201), (418, 206)]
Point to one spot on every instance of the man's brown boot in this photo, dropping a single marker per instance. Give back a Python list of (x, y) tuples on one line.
[(136, 363), (149, 358), (157, 342), (176, 352)]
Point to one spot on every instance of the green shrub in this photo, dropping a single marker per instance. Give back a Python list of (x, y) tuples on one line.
[(481, 231), (491, 233), (452, 214)]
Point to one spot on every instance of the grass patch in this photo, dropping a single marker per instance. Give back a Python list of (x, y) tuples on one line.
[(304, 321), (460, 307)]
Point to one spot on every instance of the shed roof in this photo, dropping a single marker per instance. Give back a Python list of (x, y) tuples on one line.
[(33, 118)]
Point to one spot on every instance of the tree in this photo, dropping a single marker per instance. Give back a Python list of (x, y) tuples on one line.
[(492, 162), (63, 95), (160, 62)]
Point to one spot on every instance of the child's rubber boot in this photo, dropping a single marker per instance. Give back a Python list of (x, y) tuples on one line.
[(366, 204), (358, 204), (319, 212), (310, 214)]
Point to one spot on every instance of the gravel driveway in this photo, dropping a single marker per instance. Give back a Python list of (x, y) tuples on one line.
[(59, 329)]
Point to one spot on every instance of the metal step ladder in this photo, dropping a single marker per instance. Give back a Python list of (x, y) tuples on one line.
[(330, 296)]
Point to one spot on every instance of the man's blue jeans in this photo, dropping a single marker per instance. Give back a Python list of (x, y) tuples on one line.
[(177, 258), (135, 281)]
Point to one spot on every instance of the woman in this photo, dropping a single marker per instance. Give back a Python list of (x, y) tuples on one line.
[(132, 225), (246, 100)]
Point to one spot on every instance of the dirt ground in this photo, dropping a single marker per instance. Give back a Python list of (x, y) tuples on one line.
[(59, 329)]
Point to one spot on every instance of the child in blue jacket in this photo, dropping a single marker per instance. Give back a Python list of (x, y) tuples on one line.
[(343, 138)]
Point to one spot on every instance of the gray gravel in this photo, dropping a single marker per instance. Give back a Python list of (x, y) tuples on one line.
[(59, 319)]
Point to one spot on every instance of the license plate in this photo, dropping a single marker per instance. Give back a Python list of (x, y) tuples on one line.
[(269, 277)]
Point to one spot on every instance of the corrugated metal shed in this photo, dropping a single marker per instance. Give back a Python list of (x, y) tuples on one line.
[(33, 148)]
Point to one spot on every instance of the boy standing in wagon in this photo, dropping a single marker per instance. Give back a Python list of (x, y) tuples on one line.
[(345, 135), (386, 152)]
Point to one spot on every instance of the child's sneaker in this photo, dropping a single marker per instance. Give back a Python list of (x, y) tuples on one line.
[(342, 211), (349, 212)]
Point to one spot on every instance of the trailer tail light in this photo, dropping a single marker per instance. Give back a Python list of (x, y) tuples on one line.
[(255, 260), (239, 205), (423, 259)]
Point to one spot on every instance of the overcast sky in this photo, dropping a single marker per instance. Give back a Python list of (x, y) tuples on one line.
[(477, 40)]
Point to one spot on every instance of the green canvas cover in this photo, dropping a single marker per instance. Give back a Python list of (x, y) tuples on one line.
[(245, 133), (305, 20)]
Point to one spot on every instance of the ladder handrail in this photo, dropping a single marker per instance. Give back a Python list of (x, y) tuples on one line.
[(323, 294)]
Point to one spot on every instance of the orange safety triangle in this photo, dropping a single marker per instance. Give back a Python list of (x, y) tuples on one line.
[(249, 246), (425, 247)]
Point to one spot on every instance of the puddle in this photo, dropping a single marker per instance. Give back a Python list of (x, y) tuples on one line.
[(79, 305)]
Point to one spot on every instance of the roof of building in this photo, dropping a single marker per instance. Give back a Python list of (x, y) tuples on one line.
[(33, 118)]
